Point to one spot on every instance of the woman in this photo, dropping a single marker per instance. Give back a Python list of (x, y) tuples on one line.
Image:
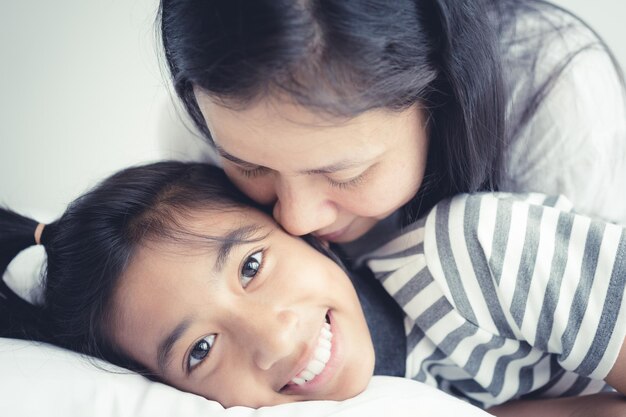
[(389, 105)]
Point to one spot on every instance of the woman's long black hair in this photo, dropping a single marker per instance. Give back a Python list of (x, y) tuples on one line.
[(344, 57), (89, 247)]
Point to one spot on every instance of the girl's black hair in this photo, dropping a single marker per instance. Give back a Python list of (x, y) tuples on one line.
[(344, 57), (89, 247)]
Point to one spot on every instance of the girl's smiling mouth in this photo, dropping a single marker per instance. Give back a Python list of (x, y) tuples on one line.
[(316, 367)]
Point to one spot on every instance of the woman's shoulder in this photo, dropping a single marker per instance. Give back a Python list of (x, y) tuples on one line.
[(544, 34), (565, 114), (542, 45)]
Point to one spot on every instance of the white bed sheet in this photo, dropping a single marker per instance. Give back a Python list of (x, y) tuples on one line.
[(43, 380)]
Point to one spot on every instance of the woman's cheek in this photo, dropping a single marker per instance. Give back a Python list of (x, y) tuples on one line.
[(383, 194)]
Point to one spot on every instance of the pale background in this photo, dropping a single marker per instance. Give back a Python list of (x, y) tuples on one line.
[(82, 93)]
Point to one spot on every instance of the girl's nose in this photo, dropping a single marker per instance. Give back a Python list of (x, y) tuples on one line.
[(302, 208), (273, 337)]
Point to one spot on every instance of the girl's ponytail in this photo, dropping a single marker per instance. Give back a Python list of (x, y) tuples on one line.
[(18, 318), (16, 234)]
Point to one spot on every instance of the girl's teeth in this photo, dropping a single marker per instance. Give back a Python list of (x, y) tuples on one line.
[(307, 375), (321, 356), (316, 366), (326, 333), (323, 343)]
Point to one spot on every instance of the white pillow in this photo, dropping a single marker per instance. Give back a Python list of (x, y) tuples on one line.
[(43, 380)]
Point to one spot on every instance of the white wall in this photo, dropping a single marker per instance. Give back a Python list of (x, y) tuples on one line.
[(606, 17), (82, 94)]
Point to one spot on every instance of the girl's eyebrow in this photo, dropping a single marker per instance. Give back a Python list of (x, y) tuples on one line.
[(165, 347), (235, 237), (328, 169)]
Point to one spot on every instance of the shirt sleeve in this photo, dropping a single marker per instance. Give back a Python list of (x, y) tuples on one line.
[(535, 273)]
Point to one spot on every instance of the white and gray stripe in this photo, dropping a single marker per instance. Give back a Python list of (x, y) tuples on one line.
[(508, 296)]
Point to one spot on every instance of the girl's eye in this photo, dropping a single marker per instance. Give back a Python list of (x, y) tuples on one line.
[(252, 173), (200, 351), (250, 268)]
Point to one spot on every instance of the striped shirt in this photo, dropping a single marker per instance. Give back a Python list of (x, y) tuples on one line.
[(507, 296)]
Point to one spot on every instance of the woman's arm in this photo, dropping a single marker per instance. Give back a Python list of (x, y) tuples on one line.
[(617, 375), (596, 405), (521, 269), (534, 289)]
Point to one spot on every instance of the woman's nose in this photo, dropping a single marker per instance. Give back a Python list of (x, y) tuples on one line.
[(273, 337), (302, 208)]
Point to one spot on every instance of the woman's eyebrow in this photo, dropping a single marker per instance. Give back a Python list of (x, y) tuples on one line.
[(234, 159), (337, 166), (328, 169)]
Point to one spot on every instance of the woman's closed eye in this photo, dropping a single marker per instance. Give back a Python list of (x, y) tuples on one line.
[(350, 182), (253, 173), (347, 184), (251, 266), (200, 351)]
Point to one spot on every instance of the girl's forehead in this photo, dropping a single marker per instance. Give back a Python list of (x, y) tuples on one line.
[(220, 217), (206, 230), (165, 275)]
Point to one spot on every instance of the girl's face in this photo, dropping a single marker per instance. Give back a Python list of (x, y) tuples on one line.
[(333, 178), (260, 323)]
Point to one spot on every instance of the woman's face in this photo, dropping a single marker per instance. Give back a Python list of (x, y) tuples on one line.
[(265, 321), (333, 178)]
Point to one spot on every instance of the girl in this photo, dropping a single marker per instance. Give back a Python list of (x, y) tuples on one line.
[(168, 270)]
